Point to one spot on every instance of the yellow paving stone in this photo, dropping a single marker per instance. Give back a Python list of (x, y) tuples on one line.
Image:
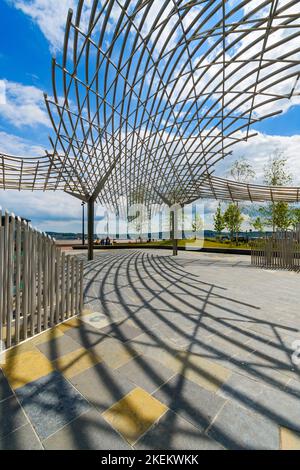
[(30, 344), (134, 414), (26, 367), (23, 347), (290, 440), (207, 374), (76, 362), (73, 323)]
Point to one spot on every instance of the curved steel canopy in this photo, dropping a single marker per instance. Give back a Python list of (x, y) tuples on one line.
[(151, 94)]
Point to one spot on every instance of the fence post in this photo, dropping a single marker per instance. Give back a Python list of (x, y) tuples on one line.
[(57, 288), (81, 289), (39, 285), (62, 288), (10, 276), (18, 278), (72, 285), (67, 286), (1, 277)]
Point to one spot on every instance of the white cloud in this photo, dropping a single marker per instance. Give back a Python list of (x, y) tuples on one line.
[(24, 105), (47, 211), (2, 92), (51, 17), (259, 149), (13, 145)]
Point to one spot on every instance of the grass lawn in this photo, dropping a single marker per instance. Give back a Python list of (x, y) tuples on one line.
[(208, 243)]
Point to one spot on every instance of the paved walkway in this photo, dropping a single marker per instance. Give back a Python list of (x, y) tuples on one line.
[(193, 352)]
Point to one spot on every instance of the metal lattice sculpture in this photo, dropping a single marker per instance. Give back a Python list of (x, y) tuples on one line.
[(28, 173), (151, 94)]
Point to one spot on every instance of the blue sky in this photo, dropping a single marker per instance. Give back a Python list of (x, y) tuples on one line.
[(30, 33)]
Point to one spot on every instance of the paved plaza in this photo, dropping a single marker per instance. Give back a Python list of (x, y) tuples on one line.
[(192, 352)]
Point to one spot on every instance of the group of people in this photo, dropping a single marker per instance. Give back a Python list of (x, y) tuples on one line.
[(103, 242)]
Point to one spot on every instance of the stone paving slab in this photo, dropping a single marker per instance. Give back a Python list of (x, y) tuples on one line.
[(123, 332), (23, 438), (5, 390), (76, 362), (208, 374), (86, 336), (146, 373), (12, 416), (97, 319), (88, 432), (179, 353), (102, 386), (50, 403), (277, 404), (114, 353), (172, 432), (134, 414), (58, 347), (23, 368), (289, 440), (190, 401), (237, 428)]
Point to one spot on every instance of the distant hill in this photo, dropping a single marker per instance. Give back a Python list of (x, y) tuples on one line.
[(207, 234)]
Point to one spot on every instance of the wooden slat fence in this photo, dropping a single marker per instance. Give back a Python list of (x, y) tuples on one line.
[(279, 251), (39, 285)]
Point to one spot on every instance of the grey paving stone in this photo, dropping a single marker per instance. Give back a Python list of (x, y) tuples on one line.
[(5, 390), (58, 347), (146, 373), (102, 386), (151, 345), (293, 387), (189, 400), (175, 433), (86, 336), (11, 416), (23, 438), (238, 428), (280, 406), (278, 354), (50, 403), (277, 371), (265, 373), (88, 432), (122, 332)]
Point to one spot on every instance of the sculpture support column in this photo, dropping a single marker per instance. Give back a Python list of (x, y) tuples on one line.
[(91, 211), (173, 232)]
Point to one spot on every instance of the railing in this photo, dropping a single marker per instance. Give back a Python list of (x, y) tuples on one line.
[(39, 285), (280, 251)]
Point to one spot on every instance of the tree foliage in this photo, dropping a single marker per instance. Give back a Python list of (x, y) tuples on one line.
[(258, 224), (276, 173), (295, 217), (219, 222), (242, 171), (233, 219), (197, 224)]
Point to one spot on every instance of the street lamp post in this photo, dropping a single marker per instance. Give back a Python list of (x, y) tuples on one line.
[(83, 234)]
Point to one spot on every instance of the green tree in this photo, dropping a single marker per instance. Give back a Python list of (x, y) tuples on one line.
[(295, 217), (258, 225), (219, 222), (282, 216), (276, 173), (197, 224), (242, 171), (233, 220)]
